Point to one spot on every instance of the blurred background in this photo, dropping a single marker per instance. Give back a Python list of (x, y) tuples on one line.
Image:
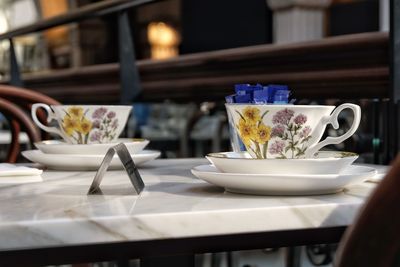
[(171, 28), (177, 42)]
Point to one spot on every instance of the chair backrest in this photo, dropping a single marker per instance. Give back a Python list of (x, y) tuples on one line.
[(374, 238), (15, 104)]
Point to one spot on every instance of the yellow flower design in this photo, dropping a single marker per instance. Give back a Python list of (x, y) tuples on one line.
[(85, 126), (247, 131), (70, 125), (246, 142), (75, 112), (251, 114), (263, 133)]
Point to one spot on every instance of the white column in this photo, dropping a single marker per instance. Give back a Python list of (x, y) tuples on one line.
[(384, 15), (298, 20)]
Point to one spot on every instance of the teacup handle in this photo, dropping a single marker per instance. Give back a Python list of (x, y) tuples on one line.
[(333, 119), (50, 116)]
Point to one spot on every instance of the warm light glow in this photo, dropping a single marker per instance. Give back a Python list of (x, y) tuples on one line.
[(59, 34), (164, 40)]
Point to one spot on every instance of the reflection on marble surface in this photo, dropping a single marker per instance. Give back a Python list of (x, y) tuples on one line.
[(174, 204)]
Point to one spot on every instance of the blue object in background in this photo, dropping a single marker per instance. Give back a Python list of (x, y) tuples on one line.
[(141, 112), (3, 121)]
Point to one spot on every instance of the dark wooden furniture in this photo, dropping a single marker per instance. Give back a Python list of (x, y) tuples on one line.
[(15, 104), (374, 238), (18, 120), (350, 66), (347, 67)]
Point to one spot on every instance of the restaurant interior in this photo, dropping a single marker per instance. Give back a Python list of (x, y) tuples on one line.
[(172, 76)]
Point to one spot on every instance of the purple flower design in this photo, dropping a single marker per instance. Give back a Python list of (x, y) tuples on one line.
[(283, 116), (111, 115), (300, 119), (305, 132), (277, 147), (96, 136), (99, 113), (114, 124), (96, 124), (277, 130)]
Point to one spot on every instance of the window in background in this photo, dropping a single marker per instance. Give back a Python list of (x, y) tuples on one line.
[(212, 25), (30, 49), (347, 17)]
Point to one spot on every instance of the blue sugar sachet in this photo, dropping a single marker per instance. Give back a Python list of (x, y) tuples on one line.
[(230, 99), (243, 98), (260, 97), (258, 94), (272, 89), (281, 97), (255, 87), (271, 92), (279, 86), (242, 89)]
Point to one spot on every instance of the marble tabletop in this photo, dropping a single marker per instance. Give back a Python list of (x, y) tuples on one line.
[(174, 204)]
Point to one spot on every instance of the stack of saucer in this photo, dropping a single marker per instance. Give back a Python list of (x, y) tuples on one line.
[(327, 172), (88, 132), (63, 156), (283, 144)]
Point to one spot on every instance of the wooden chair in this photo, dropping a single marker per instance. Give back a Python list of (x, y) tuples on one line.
[(374, 238), (15, 104)]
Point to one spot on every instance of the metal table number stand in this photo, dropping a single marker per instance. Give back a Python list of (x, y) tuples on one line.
[(128, 164)]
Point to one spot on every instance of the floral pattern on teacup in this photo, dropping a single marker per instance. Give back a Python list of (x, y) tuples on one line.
[(287, 137), (290, 133), (76, 125), (254, 134), (105, 124), (100, 127)]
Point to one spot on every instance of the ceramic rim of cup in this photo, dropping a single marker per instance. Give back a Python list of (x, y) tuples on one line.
[(89, 106), (343, 154), (279, 105)]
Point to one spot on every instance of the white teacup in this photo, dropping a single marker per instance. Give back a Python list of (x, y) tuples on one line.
[(286, 131), (84, 124)]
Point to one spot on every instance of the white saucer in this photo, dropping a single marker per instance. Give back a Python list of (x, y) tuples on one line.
[(70, 162), (265, 184), (60, 147), (326, 162), (20, 179)]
